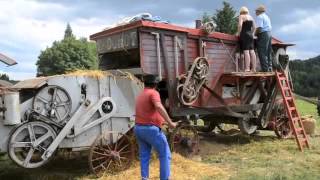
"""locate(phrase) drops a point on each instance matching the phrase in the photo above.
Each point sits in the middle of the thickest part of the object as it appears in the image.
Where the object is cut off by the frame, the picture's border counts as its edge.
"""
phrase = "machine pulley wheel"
(282, 126)
(53, 102)
(189, 85)
(209, 27)
(107, 107)
(185, 140)
(28, 142)
(246, 126)
(111, 153)
(276, 59)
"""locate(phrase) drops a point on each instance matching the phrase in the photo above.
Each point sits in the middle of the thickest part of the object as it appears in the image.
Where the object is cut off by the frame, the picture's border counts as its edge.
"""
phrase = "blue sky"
(29, 26)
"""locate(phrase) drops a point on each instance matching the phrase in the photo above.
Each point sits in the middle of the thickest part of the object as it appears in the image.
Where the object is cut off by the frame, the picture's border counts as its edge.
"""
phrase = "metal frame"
(84, 113)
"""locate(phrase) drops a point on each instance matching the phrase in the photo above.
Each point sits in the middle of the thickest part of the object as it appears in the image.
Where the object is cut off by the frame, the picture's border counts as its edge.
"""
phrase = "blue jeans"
(264, 48)
(148, 137)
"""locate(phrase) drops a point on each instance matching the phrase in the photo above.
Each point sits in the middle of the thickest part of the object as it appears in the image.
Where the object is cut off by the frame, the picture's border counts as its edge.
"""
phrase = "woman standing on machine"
(246, 29)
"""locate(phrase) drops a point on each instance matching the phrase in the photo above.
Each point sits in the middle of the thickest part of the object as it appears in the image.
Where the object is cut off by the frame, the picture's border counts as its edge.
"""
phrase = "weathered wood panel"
(219, 58)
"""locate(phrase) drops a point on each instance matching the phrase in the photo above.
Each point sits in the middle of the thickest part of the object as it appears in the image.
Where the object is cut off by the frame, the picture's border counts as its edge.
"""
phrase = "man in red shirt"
(150, 115)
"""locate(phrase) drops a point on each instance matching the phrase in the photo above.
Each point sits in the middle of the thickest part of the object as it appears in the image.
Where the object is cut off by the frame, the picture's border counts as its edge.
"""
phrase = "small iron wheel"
(111, 153)
(185, 140)
(282, 126)
(28, 142)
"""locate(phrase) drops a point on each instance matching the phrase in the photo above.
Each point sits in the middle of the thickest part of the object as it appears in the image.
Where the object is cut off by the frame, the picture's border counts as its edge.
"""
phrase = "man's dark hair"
(150, 85)
(150, 80)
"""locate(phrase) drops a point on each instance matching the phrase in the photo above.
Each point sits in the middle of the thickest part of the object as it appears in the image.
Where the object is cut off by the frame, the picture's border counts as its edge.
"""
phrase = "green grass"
(306, 108)
(268, 158)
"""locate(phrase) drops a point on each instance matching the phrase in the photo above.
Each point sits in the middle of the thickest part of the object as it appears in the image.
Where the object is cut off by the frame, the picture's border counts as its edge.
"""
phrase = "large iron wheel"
(247, 126)
(111, 153)
(282, 126)
(185, 140)
(53, 102)
(28, 142)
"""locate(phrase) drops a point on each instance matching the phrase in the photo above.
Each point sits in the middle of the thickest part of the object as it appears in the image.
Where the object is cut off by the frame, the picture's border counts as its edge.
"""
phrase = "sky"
(29, 26)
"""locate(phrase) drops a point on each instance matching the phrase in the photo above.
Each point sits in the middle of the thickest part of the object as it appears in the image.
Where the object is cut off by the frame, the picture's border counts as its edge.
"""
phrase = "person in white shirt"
(263, 32)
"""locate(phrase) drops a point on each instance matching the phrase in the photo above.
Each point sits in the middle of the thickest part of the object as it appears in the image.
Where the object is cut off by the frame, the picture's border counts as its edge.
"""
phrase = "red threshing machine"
(201, 77)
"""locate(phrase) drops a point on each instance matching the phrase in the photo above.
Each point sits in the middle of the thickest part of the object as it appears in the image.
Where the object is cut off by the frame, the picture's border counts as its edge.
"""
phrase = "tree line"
(306, 76)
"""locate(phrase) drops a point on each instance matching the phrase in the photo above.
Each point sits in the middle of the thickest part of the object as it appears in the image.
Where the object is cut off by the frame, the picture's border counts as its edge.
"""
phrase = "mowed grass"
(267, 158)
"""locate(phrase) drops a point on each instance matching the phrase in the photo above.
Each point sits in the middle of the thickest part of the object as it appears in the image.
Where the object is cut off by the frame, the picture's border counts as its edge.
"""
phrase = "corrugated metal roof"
(31, 83)
(8, 61)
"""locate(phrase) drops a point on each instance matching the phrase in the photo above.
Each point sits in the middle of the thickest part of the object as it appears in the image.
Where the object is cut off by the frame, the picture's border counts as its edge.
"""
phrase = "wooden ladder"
(293, 115)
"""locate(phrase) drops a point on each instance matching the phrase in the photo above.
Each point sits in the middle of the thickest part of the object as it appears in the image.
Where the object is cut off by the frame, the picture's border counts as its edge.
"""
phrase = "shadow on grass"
(58, 169)
(237, 139)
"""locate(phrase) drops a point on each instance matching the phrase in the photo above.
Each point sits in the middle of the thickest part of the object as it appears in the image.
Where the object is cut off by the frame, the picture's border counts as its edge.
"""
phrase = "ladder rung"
(282, 78)
(289, 98)
(286, 88)
(299, 130)
(292, 108)
(303, 142)
(295, 119)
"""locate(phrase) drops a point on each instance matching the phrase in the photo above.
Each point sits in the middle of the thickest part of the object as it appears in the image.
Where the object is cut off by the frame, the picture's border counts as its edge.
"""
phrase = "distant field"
(239, 157)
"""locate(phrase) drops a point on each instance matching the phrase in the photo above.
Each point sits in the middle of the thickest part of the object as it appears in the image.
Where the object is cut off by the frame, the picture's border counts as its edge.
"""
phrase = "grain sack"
(309, 124)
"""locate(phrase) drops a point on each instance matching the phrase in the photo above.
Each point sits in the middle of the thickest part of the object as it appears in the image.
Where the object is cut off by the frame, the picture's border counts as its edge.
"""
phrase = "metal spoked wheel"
(185, 140)
(111, 153)
(53, 102)
(282, 126)
(246, 126)
(28, 142)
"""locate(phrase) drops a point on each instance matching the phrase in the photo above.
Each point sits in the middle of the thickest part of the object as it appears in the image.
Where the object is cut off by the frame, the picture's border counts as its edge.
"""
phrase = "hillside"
(306, 76)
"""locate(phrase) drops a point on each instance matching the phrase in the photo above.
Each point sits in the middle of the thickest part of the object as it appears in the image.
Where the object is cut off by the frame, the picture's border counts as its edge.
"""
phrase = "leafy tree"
(206, 18)
(67, 55)
(4, 77)
(225, 19)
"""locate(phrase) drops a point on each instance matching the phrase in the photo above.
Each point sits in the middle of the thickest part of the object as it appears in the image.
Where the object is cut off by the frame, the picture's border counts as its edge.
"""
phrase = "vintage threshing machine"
(81, 111)
(201, 75)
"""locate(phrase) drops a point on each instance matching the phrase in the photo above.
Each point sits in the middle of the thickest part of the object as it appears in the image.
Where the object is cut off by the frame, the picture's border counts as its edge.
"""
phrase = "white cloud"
(31, 26)
(306, 23)
(295, 53)
(19, 75)
(187, 11)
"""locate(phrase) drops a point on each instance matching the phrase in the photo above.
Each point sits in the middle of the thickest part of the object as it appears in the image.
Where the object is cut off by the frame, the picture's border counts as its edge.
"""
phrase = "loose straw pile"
(181, 169)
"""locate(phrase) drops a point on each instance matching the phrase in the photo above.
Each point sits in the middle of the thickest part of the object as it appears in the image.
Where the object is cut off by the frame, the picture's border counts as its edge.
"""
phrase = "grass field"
(268, 158)
(240, 157)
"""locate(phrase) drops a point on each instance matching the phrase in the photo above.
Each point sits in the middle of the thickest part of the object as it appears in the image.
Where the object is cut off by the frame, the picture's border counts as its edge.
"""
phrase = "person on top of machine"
(246, 27)
(263, 32)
